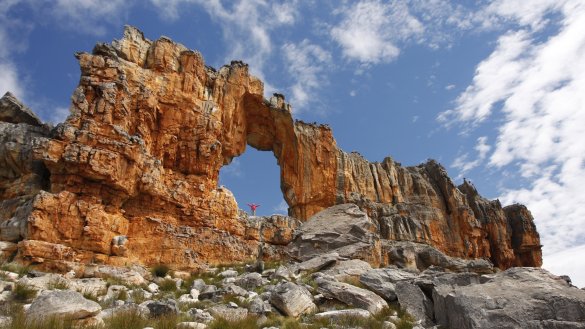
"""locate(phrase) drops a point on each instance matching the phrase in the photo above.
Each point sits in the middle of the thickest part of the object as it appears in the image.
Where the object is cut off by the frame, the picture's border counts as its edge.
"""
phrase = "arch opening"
(254, 177)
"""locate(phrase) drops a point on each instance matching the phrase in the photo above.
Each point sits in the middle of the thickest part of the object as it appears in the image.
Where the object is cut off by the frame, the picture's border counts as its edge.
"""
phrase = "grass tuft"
(249, 322)
(167, 285)
(23, 293)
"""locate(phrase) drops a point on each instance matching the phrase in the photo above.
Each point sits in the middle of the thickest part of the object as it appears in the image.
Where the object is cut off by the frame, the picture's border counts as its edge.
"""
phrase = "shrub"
(23, 293)
(126, 320)
(249, 322)
(138, 296)
(167, 285)
(58, 283)
(15, 267)
(160, 270)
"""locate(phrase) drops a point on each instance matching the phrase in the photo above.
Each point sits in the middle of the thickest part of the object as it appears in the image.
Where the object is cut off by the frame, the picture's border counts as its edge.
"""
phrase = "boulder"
(190, 325)
(282, 273)
(344, 229)
(516, 298)
(292, 300)
(229, 274)
(126, 276)
(250, 280)
(13, 111)
(348, 269)
(45, 282)
(158, 308)
(62, 303)
(356, 312)
(418, 256)
(232, 289)
(228, 313)
(259, 306)
(382, 280)
(415, 302)
(199, 315)
(316, 263)
(134, 309)
(351, 295)
(92, 286)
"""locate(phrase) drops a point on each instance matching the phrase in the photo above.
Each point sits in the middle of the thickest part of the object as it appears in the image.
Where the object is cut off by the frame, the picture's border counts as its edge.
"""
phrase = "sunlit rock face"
(132, 174)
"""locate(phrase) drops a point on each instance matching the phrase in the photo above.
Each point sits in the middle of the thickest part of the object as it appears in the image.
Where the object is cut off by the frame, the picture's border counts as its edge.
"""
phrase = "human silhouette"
(253, 207)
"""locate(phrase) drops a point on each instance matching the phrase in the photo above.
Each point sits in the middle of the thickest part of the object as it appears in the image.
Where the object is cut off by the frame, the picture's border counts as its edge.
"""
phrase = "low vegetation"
(23, 293)
(160, 270)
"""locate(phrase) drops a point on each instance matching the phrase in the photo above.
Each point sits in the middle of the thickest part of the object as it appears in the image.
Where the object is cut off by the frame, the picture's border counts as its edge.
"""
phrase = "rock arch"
(140, 155)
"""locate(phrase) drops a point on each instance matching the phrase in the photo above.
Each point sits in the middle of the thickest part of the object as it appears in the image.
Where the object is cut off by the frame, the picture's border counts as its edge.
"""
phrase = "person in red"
(253, 207)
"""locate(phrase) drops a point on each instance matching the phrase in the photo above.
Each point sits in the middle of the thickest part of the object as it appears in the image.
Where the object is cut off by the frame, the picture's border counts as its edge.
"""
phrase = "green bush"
(23, 293)
(15, 267)
(167, 285)
(160, 270)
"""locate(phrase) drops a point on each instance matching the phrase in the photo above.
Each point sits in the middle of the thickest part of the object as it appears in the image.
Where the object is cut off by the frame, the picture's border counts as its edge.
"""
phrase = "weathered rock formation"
(132, 174)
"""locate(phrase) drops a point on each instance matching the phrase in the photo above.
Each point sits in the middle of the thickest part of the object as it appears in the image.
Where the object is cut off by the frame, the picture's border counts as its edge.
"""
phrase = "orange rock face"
(132, 175)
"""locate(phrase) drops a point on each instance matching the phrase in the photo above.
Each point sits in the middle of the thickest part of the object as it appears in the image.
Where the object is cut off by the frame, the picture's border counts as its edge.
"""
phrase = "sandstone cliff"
(132, 174)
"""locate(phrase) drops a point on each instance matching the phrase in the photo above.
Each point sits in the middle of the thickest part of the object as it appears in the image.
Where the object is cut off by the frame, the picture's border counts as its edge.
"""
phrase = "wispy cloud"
(74, 16)
(87, 16)
(563, 263)
(246, 24)
(306, 63)
(538, 88)
(465, 163)
(369, 30)
(12, 33)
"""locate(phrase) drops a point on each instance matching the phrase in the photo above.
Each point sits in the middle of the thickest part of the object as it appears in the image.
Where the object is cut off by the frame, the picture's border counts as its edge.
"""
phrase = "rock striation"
(132, 175)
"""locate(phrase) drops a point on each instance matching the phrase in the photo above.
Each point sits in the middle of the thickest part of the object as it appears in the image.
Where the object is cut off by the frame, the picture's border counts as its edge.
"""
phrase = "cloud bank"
(538, 88)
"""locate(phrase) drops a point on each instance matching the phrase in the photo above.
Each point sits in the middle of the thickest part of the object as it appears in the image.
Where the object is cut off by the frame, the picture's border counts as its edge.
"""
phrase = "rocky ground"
(326, 284)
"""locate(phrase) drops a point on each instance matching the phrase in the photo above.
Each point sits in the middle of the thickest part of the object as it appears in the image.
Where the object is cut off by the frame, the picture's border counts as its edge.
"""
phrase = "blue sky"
(495, 90)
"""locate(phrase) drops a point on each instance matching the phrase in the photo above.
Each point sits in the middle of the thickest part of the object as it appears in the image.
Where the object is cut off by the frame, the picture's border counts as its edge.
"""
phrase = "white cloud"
(535, 82)
(84, 16)
(493, 81)
(306, 63)
(482, 147)
(564, 263)
(526, 13)
(246, 26)
(370, 30)
(9, 79)
(10, 31)
(88, 16)
(464, 163)
(450, 87)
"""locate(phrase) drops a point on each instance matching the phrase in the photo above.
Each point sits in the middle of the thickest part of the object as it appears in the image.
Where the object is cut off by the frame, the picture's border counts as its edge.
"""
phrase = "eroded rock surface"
(132, 175)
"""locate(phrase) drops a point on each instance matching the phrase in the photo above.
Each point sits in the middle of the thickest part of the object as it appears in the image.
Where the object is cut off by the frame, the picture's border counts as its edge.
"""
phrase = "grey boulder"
(415, 302)
(521, 297)
(292, 300)
(63, 304)
(382, 281)
(163, 307)
(351, 295)
(344, 229)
